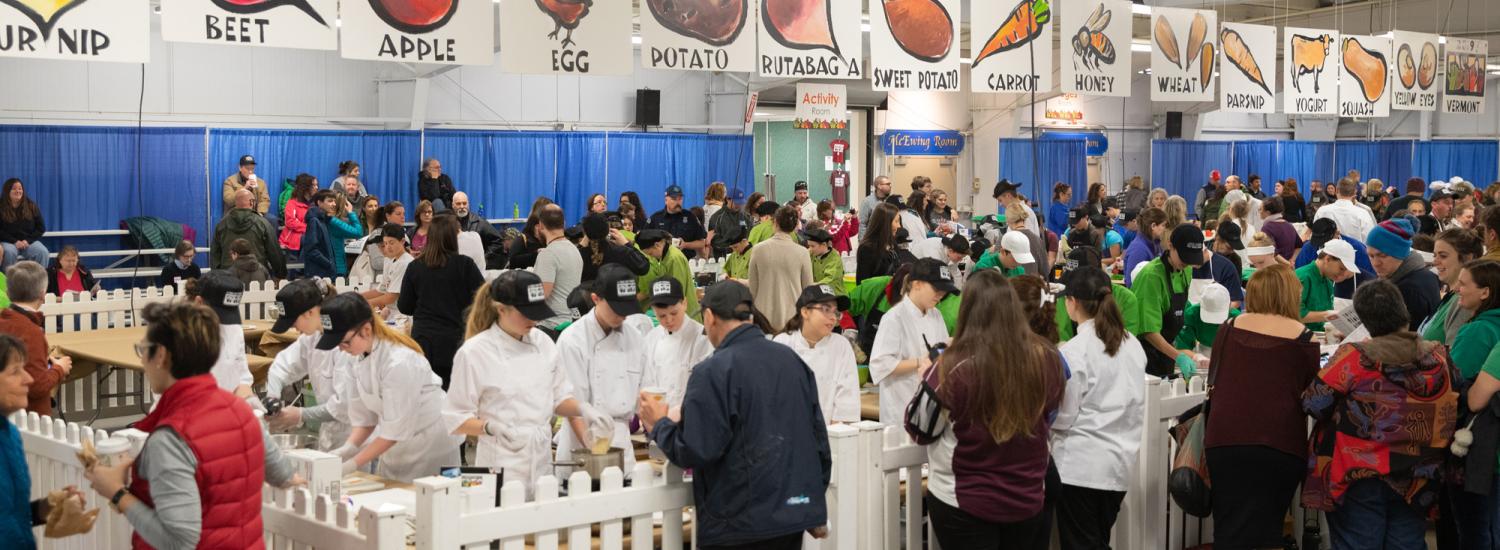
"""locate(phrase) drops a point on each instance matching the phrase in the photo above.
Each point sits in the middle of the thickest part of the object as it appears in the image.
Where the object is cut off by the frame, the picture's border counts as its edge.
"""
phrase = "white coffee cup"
(113, 451)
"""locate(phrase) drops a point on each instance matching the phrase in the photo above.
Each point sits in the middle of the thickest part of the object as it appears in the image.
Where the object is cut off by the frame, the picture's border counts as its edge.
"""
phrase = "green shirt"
(737, 264)
(1152, 295)
(761, 232)
(1317, 292)
(4, 293)
(990, 259)
(949, 308)
(1126, 299)
(675, 265)
(829, 270)
(1195, 332)
(1473, 349)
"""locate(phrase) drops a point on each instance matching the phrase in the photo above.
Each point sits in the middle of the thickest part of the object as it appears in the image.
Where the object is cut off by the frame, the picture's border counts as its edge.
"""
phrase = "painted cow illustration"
(1308, 56)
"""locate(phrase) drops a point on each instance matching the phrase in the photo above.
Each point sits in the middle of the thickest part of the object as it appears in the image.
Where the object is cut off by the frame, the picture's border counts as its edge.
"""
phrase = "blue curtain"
(1037, 165)
(1474, 161)
(581, 172)
(1181, 167)
(502, 172)
(1388, 161)
(388, 160)
(1304, 160)
(1258, 158)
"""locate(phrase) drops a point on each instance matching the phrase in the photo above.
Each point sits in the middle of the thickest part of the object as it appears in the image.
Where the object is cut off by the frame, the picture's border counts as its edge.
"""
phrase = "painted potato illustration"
(923, 28)
(1406, 68)
(1369, 68)
(716, 22)
(1427, 67)
(799, 24)
(415, 16)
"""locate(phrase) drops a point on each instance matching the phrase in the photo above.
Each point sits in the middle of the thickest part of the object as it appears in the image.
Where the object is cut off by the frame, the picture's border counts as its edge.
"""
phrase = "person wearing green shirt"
(666, 261)
(737, 263)
(1478, 291)
(1124, 297)
(1013, 255)
(1201, 321)
(1453, 249)
(827, 266)
(1161, 289)
(1334, 265)
(763, 230)
(4, 298)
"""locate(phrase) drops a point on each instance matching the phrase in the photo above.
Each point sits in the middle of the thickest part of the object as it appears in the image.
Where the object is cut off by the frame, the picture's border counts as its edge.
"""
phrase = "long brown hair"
(879, 234)
(1041, 315)
(442, 241)
(27, 210)
(1013, 371)
(1109, 322)
(416, 218)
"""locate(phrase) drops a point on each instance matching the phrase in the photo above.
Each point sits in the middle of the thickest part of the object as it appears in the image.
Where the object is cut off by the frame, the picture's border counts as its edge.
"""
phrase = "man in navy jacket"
(752, 432)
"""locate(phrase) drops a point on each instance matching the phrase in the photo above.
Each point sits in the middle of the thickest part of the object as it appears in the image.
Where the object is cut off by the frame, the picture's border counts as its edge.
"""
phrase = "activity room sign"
(822, 106)
(83, 30)
(444, 32)
(305, 24)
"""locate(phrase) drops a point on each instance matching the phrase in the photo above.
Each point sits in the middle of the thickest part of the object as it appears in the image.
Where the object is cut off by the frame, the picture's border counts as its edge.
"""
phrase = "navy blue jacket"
(1222, 271)
(755, 438)
(317, 246)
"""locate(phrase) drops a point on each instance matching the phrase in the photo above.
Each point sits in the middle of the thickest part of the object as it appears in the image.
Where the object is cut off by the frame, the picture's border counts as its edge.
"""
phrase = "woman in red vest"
(197, 481)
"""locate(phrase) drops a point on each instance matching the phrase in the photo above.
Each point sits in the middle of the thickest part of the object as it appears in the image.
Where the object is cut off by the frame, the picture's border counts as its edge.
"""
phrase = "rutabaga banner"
(1364, 87)
(1312, 69)
(1012, 45)
(914, 45)
(303, 24)
(82, 30)
(1096, 47)
(1415, 82)
(1247, 73)
(1182, 54)
(698, 35)
(447, 32)
(1463, 78)
(566, 36)
(810, 38)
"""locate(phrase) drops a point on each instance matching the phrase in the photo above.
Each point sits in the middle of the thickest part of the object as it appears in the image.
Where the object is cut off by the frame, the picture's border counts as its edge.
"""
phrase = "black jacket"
(440, 189)
(630, 257)
(725, 223)
(1420, 289)
(754, 436)
(22, 230)
(870, 262)
(494, 245)
(245, 223)
(1479, 465)
(171, 273)
(523, 251)
(54, 269)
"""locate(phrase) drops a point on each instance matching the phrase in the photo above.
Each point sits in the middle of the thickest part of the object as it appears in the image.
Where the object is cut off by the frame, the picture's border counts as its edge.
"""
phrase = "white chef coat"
(930, 247)
(232, 369)
(1353, 219)
(640, 323)
(329, 373)
(607, 371)
(514, 385)
(674, 355)
(390, 281)
(395, 391)
(833, 366)
(900, 337)
(471, 245)
(915, 228)
(1098, 428)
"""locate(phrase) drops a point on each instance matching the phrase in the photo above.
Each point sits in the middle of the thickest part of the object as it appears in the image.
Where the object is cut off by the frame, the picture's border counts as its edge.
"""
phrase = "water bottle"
(515, 210)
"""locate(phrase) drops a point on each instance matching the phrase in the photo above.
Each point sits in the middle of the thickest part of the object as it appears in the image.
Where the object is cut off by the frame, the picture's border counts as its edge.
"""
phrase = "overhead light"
(635, 39)
(1442, 40)
(1140, 47)
(965, 60)
(864, 27)
(1140, 9)
(338, 22)
(1388, 34)
(1492, 67)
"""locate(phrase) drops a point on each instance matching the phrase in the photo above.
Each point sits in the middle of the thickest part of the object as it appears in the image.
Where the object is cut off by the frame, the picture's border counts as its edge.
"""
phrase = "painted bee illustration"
(1090, 44)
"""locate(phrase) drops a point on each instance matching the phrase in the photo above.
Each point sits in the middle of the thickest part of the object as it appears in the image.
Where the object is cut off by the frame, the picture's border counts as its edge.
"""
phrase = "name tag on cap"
(1195, 246)
(661, 288)
(327, 322)
(943, 273)
(233, 298)
(278, 308)
(625, 289)
(534, 293)
(826, 289)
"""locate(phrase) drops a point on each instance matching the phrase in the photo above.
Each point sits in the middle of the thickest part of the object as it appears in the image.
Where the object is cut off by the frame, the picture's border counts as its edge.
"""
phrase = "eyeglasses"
(826, 309)
(142, 349)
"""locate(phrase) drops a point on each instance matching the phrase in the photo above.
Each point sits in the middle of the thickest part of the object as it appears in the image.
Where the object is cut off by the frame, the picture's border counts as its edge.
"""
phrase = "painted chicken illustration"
(567, 14)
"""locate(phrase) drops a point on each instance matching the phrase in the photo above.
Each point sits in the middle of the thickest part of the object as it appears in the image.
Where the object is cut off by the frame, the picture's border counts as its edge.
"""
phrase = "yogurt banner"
(1312, 67)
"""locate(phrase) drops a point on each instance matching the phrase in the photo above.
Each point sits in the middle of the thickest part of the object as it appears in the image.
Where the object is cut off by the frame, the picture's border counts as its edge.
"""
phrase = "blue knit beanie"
(1392, 237)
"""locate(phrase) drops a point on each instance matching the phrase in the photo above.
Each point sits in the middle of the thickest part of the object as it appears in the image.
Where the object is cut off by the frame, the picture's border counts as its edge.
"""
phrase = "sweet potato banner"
(914, 45)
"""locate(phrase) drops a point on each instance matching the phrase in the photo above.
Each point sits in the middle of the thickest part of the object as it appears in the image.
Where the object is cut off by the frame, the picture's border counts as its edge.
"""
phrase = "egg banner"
(1364, 86)
(82, 30)
(1247, 71)
(812, 38)
(1415, 85)
(305, 24)
(566, 36)
(698, 35)
(448, 32)
(1312, 69)
(914, 45)
(1011, 45)
(1095, 54)
(1183, 48)
(1463, 75)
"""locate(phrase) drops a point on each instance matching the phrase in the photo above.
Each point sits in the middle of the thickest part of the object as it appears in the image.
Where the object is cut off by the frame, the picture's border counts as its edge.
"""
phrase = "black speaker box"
(1174, 125)
(647, 108)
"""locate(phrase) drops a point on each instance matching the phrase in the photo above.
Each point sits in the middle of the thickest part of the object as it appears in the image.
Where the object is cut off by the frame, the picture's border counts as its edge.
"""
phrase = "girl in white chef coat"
(327, 371)
(394, 397)
(907, 334)
(678, 344)
(605, 361)
(829, 355)
(507, 383)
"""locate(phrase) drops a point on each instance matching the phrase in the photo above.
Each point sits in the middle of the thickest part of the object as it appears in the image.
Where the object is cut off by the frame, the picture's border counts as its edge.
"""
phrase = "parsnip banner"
(914, 45)
(1415, 82)
(811, 38)
(1011, 44)
(1183, 47)
(1247, 75)
(1095, 53)
(1364, 86)
(698, 35)
(1463, 75)
(1312, 69)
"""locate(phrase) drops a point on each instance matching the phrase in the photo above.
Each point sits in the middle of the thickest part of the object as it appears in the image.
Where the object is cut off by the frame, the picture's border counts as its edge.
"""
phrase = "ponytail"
(1109, 323)
(794, 324)
(482, 313)
(899, 285)
(597, 249)
(382, 331)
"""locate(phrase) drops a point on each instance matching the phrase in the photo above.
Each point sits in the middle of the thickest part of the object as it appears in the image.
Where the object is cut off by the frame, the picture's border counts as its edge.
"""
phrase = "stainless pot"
(596, 464)
(295, 441)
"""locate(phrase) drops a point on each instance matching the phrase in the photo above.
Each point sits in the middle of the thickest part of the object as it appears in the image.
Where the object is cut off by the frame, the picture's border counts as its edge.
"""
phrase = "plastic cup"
(656, 393)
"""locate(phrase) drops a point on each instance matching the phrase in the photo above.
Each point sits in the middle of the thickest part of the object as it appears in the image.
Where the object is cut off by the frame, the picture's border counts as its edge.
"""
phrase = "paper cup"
(656, 393)
(113, 451)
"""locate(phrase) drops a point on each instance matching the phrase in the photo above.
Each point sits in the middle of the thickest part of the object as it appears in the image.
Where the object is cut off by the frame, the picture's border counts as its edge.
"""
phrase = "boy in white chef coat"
(678, 343)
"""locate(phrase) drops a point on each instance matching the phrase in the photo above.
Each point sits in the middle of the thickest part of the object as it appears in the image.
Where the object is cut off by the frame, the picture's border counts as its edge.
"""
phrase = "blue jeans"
(1372, 515)
(1477, 518)
(35, 252)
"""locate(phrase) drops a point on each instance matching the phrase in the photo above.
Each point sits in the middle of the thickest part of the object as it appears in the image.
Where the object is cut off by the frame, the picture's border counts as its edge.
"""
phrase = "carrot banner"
(1183, 43)
(1364, 86)
(1247, 68)
(1010, 42)
(914, 45)
(1095, 46)
(1463, 75)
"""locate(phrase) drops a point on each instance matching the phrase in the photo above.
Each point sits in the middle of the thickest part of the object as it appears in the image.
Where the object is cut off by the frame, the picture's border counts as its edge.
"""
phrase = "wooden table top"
(116, 347)
(869, 406)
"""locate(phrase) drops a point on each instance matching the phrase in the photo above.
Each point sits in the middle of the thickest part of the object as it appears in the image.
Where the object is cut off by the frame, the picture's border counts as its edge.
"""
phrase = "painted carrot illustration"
(1023, 25)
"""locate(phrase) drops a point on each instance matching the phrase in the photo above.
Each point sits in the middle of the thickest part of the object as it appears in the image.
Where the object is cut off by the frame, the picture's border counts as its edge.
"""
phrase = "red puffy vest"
(225, 438)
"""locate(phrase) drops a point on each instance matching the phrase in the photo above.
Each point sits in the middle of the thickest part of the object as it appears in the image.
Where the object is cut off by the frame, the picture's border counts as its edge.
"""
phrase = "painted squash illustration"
(922, 28)
(1369, 69)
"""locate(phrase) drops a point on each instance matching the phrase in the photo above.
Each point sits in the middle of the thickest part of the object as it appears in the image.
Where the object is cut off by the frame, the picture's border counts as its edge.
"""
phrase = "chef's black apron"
(1158, 363)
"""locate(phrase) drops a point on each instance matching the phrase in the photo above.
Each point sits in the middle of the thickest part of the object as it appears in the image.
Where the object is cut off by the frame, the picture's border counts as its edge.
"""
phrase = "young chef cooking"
(507, 383)
(907, 335)
(394, 396)
(221, 291)
(829, 355)
(328, 371)
(605, 361)
(678, 344)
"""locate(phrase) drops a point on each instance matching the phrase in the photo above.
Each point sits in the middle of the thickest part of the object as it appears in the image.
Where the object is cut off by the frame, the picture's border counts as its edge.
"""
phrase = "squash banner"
(1364, 85)
(1312, 69)
(447, 32)
(914, 45)
(810, 38)
(1463, 75)
(1247, 71)
(81, 30)
(1183, 47)
(303, 24)
(1415, 82)
(1095, 47)
(1011, 45)
(698, 35)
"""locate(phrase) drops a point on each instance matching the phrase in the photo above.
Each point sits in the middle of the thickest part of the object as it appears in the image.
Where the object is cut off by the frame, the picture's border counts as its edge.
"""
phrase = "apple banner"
(447, 32)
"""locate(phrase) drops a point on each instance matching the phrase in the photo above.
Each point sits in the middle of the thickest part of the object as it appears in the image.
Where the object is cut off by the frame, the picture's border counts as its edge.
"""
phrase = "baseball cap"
(767, 208)
(817, 235)
(1005, 186)
(736, 194)
(978, 247)
(1129, 215)
(1440, 194)
(1213, 175)
(1111, 202)
(247, 160)
(934, 273)
(1187, 240)
(666, 291)
(649, 238)
(1087, 282)
(729, 300)
(1343, 251)
(522, 290)
(294, 299)
(1323, 230)
(1099, 221)
(222, 291)
(1230, 232)
(595, 227)
(799, 186)
(617, 285)
(1018, 245)
(1076, 215)
(816, 294)
(1213, 306)
(341, 314)
(1079, 258)
(674, 191)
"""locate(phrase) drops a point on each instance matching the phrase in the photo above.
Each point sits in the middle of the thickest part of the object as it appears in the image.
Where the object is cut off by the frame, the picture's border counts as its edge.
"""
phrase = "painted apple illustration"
(716, 22)
(257, 6)
(415, 16)
(44, 13)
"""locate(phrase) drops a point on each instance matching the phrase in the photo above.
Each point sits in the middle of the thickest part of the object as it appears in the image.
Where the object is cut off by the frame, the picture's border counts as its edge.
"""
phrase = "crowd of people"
(1015, 348)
